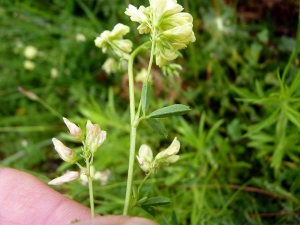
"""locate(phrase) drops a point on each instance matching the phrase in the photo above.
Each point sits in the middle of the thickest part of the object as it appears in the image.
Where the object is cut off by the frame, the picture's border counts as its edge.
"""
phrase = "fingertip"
(117, 220)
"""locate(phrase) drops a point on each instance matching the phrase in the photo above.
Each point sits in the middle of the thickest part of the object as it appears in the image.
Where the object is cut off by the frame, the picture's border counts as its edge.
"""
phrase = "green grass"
(239, 156)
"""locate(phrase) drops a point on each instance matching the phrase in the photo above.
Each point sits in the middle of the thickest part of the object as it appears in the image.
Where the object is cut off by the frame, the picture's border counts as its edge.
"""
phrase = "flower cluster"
(170, 29)
(114, 40)
(164, 158)
(95, 175)
(94, 138)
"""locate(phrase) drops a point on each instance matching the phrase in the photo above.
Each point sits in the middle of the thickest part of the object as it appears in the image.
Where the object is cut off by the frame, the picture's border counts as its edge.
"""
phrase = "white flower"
(164, 8)
(145, 157)
(141, 16)
(75, 131)
(170, 29)
(114, 40)
(54, 73)
(178, 37)
(64, 152)
(30, 52)
(164, 158)
(95, 175)
(172, 150)
(141, 76)
(102, 176)
(29, 65)
(67, 177)
(110, 65)
(94, 136)
(80, 38)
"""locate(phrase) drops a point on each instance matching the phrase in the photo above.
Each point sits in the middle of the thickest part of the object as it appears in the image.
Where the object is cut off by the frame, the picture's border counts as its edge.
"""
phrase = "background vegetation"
(240, 144)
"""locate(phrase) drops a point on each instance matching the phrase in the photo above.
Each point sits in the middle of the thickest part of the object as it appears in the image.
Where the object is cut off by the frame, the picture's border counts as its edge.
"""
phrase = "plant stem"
(151, 58)
(133, 127)
(141, 184)
(91, 192)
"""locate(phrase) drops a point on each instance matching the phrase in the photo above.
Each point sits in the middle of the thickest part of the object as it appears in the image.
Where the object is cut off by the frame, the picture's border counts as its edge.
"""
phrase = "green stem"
(91, 192)
(151, 58)
(133, 127)
(52, 110)
(142, 183)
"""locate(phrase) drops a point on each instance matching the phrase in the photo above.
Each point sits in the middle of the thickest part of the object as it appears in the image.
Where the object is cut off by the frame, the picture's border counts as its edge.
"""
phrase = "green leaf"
(149, 210)
(156, 201)
(292, 114)
(213, 129)
(259, 89)
(295, 83)
(157, 126)
(142, 200)
(145, 98)
(265, 123)
(134, 191)
(174, 219)
(172, 110)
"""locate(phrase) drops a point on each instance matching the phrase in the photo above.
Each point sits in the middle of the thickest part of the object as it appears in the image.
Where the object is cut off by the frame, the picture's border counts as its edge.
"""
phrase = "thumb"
(117, 220)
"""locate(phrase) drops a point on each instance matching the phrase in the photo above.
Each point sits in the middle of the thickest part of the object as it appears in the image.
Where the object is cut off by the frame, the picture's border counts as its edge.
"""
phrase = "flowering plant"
(170, 30)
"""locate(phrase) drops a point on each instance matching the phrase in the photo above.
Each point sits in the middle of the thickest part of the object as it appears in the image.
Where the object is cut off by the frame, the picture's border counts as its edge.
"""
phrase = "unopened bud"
(64, 152)
(67, 177)
(75, 131)
(145, 157)
(28, 94)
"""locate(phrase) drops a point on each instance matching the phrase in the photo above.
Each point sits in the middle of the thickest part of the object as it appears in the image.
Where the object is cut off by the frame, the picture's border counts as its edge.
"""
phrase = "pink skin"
(24, 199)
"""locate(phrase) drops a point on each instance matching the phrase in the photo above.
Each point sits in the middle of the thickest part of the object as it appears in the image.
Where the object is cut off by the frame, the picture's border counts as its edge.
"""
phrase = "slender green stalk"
(151, 58)
(51, 109)
(141, 184)
(133, 128)
(91, 192)
(90, 179)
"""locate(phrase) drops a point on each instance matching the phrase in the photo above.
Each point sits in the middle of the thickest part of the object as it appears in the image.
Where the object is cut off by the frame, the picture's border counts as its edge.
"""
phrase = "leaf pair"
(147, 205)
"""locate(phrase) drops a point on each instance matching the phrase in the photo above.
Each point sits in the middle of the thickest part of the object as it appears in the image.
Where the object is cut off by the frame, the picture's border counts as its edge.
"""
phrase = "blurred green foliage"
(240, 144)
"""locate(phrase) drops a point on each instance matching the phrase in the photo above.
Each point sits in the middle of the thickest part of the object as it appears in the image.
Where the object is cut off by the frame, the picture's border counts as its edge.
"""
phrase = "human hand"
(24, 199)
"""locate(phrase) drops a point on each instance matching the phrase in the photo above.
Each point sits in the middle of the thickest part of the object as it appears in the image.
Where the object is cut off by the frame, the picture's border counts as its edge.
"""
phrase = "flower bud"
(28, 94)
(67, 177)
(64, 152)
(145, 157)
(94, 136)
(75, 131)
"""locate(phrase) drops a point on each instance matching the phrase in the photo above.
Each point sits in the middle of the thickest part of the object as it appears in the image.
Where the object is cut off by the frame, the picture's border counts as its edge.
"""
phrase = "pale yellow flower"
(114, 40)
(163, 158)
(170, 29)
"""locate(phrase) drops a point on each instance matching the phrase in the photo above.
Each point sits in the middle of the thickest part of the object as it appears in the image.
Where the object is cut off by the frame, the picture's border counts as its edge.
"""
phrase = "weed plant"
(239, 157)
